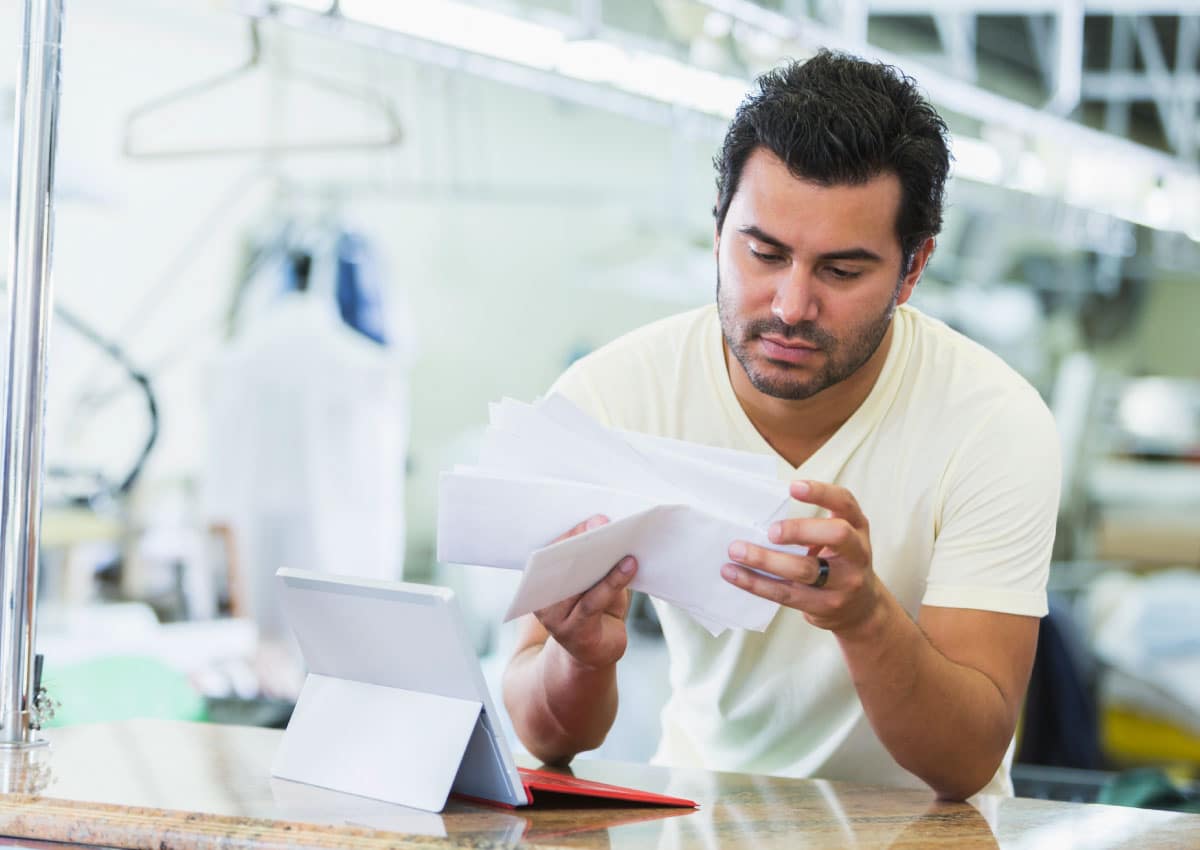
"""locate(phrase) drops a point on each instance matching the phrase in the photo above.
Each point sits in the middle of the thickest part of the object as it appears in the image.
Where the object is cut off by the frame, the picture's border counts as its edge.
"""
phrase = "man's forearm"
(558, 707)
(945, 722)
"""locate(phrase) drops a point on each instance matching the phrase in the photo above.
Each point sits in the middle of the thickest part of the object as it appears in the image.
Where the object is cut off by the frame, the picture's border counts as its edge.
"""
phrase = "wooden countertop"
(163, 785)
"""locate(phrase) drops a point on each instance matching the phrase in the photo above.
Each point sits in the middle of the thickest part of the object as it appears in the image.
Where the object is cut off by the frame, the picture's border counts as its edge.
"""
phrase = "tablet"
(404, 636)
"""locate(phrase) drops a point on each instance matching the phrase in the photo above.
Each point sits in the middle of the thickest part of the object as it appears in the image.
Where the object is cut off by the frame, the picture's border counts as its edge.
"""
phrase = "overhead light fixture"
(975, 159)
(470, 28)
(535, 45)
(322, 6)
(1030, 175)
(1159, 209)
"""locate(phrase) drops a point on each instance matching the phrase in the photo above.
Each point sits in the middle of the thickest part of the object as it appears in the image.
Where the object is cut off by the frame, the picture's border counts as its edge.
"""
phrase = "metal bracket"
(44, 709)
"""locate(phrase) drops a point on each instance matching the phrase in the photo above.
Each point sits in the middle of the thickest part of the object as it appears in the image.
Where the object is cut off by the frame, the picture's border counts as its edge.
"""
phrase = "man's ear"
(716, 242)
(916, 269)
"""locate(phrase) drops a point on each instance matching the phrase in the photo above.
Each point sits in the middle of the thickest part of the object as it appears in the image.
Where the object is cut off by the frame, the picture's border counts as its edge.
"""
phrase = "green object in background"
(1147, 788)
(120, 687)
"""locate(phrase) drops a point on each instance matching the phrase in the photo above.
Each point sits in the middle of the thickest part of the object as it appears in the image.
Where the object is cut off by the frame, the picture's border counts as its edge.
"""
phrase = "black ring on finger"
(822, 573)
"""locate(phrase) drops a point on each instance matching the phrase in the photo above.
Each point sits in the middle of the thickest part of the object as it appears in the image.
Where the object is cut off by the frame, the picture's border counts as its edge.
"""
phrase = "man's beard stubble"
(843, 357)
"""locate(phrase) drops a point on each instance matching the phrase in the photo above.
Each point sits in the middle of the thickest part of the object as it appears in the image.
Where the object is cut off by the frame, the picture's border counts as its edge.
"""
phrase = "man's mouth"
(788, 350)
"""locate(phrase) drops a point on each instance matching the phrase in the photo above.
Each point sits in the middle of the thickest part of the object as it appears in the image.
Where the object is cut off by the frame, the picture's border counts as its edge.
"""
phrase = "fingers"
(848, 589)
(553, 616)
(608, 594)
(605, 596)
(587, 525)
(777, 590)
(802, 569)
(837, 500)
(834, 533)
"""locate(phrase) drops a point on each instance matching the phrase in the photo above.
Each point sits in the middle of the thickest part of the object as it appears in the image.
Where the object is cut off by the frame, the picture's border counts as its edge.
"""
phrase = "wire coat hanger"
(393, 135)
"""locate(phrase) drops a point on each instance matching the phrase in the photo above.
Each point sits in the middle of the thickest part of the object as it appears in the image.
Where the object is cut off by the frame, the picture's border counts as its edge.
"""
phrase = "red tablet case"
(559, 783)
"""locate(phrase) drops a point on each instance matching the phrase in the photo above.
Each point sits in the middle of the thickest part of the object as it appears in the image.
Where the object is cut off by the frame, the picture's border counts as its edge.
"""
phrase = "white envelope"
(746, 463)
(585, 451)
(491, 521)
(676, 506)
(679, 550)
(749, 500)
(741, 485)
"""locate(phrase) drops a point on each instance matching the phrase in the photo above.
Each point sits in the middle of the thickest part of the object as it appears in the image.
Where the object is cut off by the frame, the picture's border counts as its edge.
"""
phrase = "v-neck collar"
(826, 462)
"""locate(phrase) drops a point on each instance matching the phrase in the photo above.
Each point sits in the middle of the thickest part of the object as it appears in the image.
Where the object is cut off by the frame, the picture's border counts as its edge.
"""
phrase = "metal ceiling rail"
(956, 95)
(549, 83)
(1033, 7)
(1056, 31)
(1136, 85)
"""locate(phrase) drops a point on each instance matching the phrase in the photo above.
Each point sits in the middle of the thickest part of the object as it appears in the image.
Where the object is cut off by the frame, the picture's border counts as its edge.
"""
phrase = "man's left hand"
(850, 593)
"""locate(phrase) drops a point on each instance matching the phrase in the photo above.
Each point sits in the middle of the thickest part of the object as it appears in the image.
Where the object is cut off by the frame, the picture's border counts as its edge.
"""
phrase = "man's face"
(808, 276)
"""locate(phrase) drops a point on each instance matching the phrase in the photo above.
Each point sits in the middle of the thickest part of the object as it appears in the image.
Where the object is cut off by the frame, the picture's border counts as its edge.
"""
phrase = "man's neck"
(796, 429)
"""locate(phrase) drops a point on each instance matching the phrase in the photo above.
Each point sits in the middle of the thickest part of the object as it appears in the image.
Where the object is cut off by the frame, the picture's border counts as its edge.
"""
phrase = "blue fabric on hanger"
(360, 288)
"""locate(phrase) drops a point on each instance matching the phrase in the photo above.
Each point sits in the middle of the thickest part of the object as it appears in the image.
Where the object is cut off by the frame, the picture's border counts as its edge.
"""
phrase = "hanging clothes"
(359, 287)
(307, 443)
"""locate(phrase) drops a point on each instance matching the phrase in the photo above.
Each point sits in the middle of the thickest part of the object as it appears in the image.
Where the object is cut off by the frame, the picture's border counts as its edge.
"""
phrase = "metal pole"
(29, 308)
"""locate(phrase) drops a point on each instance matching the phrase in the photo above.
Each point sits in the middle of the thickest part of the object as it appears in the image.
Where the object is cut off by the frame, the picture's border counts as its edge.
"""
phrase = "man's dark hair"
(837, 119)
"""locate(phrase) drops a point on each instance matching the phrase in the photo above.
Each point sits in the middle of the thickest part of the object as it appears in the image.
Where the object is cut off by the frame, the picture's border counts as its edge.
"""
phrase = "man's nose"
(795, 300)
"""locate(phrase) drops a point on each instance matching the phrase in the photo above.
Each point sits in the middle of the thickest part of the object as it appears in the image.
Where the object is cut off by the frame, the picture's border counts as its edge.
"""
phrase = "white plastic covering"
(307, 433)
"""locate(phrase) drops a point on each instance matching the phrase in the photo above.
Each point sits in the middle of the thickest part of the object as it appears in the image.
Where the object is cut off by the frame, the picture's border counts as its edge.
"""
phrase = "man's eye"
(767, 258)
(843, 274)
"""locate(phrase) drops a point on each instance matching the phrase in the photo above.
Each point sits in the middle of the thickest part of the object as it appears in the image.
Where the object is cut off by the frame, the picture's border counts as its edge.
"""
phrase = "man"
(924, 472)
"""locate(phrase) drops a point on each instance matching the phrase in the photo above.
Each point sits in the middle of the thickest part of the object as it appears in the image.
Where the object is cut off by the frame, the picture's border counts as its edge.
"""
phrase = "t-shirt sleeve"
(999, 502)
(576, 385)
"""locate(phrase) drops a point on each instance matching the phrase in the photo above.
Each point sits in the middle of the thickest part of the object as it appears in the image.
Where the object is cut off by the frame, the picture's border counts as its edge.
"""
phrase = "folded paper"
(674, 505)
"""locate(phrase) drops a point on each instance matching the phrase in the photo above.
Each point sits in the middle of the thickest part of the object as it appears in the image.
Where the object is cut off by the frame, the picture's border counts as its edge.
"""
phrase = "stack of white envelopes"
(675, 506)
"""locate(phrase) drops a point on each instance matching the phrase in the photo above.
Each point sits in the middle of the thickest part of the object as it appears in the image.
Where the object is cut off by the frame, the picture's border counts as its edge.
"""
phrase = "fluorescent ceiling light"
(466, 27)
(1031, 174)
(592, 60)
(1091, 180)
(1159, 208)
(322, 6)
(976, 160)
(533, 45)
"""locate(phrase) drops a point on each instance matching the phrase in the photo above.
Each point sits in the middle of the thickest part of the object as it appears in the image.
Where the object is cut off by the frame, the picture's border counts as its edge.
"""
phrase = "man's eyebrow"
(761, 235)
(853, 254)
(859, 253)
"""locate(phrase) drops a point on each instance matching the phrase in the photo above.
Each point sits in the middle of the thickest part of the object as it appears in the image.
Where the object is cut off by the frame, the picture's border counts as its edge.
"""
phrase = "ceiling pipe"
(1068, 74)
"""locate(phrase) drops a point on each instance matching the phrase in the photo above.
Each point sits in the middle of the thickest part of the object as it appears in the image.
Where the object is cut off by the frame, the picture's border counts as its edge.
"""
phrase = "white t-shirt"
(954, 459)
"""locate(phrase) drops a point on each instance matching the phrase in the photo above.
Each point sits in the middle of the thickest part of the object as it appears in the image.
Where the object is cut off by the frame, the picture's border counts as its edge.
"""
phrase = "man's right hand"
(561, 685)
(590, 626)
